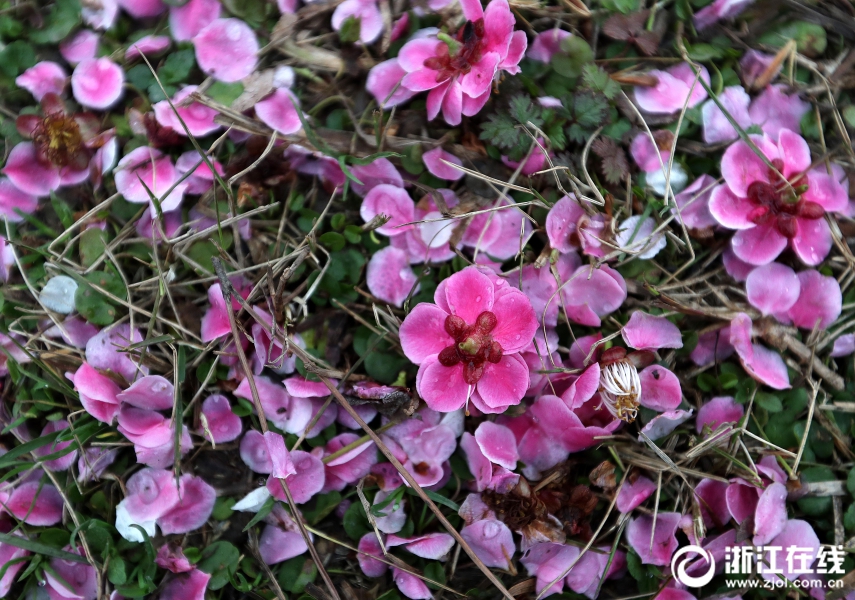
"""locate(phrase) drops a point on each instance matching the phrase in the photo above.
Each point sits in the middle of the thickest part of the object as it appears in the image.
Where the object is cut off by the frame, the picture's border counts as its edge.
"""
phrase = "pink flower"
(433, 160)
(634, 493)
(459, 71)
(43, 78)
(675, 88)
(79, 47)
(226, 50)
(366, 12)
(766, 211)
(198, 118)
(546, 44)
(718, 10)
(389, 276)
(97, 83)
(469, 342)
(384, 83)
(98, 393)
(223, 424)
(147, 170)
(186, 21)
(492, 542)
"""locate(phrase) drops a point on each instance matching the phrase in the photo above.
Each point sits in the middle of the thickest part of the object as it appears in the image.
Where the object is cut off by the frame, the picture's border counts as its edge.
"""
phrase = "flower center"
(458, 54)
(781, 206)
(473, 345)
(58, 139)
(620, 389)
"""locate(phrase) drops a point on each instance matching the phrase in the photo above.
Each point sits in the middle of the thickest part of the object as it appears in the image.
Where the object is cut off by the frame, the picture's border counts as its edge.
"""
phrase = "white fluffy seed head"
(620, 389)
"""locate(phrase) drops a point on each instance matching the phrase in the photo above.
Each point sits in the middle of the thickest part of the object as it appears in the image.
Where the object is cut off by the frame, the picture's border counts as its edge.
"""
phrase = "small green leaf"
(116, 570)
(176, 69)
(333, 241)
(350, 30)
(220, 559)
(575, 54)
(62, 19)
(93, 241)
(355, 522)
(225, 93)
(769, 402)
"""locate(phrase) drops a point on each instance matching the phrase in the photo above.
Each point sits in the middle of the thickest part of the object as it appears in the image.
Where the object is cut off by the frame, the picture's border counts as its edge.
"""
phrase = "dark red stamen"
(473, 345)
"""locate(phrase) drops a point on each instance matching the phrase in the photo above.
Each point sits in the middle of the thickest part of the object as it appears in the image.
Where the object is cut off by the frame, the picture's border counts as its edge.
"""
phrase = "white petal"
(253, 501)
(124, 525)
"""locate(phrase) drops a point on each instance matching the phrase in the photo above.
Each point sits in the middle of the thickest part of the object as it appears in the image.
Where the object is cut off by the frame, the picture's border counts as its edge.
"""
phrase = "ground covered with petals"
(386, 299)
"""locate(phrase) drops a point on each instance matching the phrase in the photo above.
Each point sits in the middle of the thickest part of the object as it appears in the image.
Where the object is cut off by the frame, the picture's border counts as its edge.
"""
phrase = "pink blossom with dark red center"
(433, 160)
(384, 83)
(389, 276)
(198, 119)
(819, 303)
(43, 78)
(223, 424)
(470, 341)
(186, 21)
(769, 213)
(98, 393)
(13, 200)
(97, 83)
(546, 44)
(675, 88)
(145, 170)
(226, 50)
(763, 364)
(366, 12)
(189, 585)
(638, 534)
(459, 71)
(718, 10)
(694, 204)
(79, 47)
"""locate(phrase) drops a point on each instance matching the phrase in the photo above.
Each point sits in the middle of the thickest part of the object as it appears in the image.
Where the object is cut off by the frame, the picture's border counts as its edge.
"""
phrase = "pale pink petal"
(772, 288)
(759, 245)
(770, 517)
(8, 555)
(660, 388)
(366, 12)
(498, 444)
(729, 209)
(646, 155)
(101, 15)
(561, 224)
(43, 78)
(410, 586)
(226, 50)
(813, 241)
(103, 351)
(583, 388)
(741, 167)
(195, 504)
(423, 332)
(516, 321)
(97, 83)
(469, 293)
(277, 544)
(140, 9)
(826, 190)
(306, 483)
(395, 516)
(473, 105)
(63, 462)
(767, 366)
(389, 276)
(633, 494)
(707, 16)
(186, 586)
(480, 76)
(753, 64)
(253, 451)
(368, 549)
(151, 494)
(472, 9)
(152, 392)
(774, 111)
(741, 498)
(384, 84)
(433, 161)
(719, 410)
(648, 332)
(186, 21)
(98, 393)
(592, 294)
(801, 535)
(820, 301)
(393, 202)
(442, 388)
(279, 455)
(735, 266)
(694, 203)
(492, 542)
(78, 47)
(717, 127)
(81, 578)
(13, 200)
(35, 504)
(222, 423)
(666, 97)
(663, 424)
(197, 118)
(794, 151)
(377, 172)
(843, 345)
(548, 561)
(638, 534)
(711, 496)
(452, 103)
(279, 112)
(546, 44)
(479, 465)
(29, 176)
(149, 45)
(505, 383)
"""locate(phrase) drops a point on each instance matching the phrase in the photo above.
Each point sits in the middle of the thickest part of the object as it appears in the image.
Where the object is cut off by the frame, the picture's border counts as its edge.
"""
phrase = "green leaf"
(63, 17)
(333, 241)
(350, 30)
(850, 481)
(500, 130)
(433, 570)
(811, 39)
(355, 522)
(16, 58)
(225, 93)
(220, 560)
(598, 80)
(295, 573)
(575, 54)
(816, 506)
(39, 548)
(93, 242)
(176, 69)
(116, 570)
(323, 505)
(849, 518)
(768, 401)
